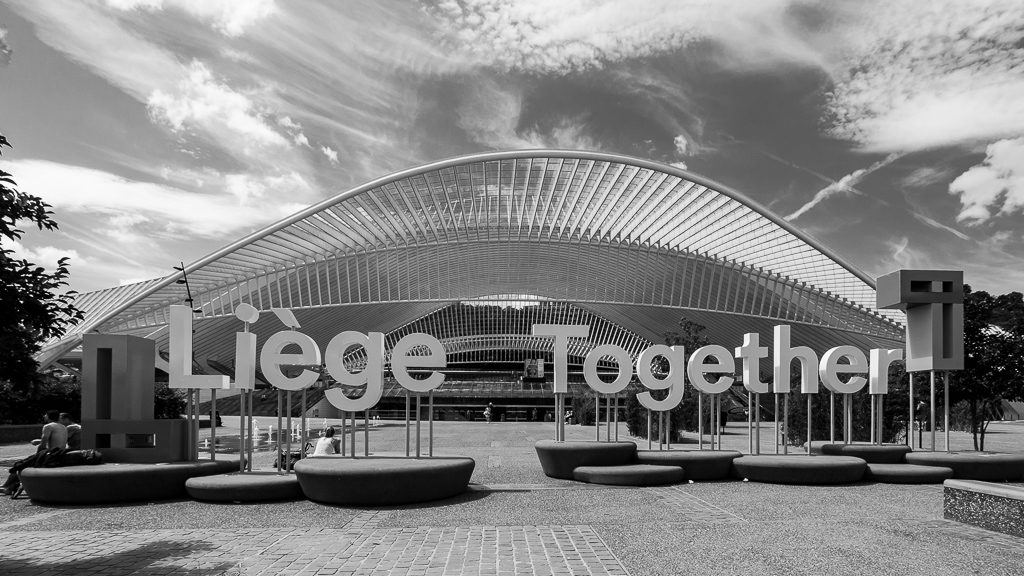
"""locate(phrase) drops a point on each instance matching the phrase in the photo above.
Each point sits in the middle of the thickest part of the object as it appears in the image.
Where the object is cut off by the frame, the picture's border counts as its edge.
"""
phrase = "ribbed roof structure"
(633, 243)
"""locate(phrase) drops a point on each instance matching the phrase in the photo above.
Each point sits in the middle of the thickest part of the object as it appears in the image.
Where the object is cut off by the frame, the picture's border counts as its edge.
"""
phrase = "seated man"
(74, 431)
(55, 435)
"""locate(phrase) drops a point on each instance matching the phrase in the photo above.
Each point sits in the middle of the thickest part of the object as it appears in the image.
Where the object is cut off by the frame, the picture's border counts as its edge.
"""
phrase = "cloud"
(5, 50)
(133, 209)
(994, 186)
(562, 37)
(202, 101)
(682, 145)
(940, 226)
(925, 176)
(45, 256)
(844, 185)
(229, 17)
(330, 153)
(904, 256)
(920, 75)
(490, 112)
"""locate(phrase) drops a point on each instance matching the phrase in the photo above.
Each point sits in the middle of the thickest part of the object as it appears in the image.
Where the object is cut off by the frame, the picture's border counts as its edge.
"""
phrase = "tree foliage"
(993, 358)
(31, 309)
(684, 416)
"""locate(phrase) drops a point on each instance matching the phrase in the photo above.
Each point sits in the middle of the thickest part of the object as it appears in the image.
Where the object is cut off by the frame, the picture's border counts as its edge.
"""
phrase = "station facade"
(475, 250)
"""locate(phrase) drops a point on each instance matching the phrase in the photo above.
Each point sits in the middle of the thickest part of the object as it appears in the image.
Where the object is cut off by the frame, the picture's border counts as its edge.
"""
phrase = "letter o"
(624, 360)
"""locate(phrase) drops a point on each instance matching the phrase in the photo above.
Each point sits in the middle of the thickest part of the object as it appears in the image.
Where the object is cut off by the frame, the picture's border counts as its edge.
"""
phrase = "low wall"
(990, 506)
(20, 433)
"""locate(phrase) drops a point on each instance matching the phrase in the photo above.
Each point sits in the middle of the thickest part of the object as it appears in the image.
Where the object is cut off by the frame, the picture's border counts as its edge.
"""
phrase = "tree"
(31, 310)
(993, 358)
(684, 416)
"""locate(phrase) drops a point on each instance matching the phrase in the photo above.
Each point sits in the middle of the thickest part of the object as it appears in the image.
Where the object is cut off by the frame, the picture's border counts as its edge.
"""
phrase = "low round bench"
(906, 474)
(382, 481)
(629, 474)
(108, 483)
(247, 487)
(559, 459)
(800, 469)
(699, 464)
(870, 453)
(989, 466)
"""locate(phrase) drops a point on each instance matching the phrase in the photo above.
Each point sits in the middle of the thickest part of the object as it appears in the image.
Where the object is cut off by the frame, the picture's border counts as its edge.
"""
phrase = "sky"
(162, 130)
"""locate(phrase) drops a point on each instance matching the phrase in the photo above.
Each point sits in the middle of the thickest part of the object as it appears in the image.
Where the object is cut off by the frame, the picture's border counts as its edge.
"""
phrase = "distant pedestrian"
(488, 413)
(74, 431)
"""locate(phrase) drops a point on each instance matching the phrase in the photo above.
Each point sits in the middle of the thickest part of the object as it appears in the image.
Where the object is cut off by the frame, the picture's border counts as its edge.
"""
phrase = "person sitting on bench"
(325, 445)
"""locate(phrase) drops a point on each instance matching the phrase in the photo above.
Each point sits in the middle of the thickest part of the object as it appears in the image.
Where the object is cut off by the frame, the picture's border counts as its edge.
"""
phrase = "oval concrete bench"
(559, 459)
(248, 487)
(629, 474)
(800, 469)
(382, 481)
(906, 474)
(973, 465)
(108, 483)
(870, 453)
(699, 464)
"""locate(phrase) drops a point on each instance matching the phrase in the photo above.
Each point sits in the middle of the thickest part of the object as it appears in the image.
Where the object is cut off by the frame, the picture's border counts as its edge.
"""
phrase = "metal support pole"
(352, 430)
(277, 443)
(418, 425)
(872, 438)
(809, 397)
(668, 429)
(910, 431)
(366, 431)
(712, 420)
(188, 415)
(344, 433)
(931, 419)
(832, 417)
(608, 419)
(700, 421)
(213, 424)
(785, 423)
(248, 464)
(302, 440)
(847, 419)
(616, 412)
(757, 422)
(649, 432)
(241, 431)
(750, 423)
(597, 417)
(408, 438)
(430, 424)
(288, 449)
(881, 420)
(776, 423)
(945, 404)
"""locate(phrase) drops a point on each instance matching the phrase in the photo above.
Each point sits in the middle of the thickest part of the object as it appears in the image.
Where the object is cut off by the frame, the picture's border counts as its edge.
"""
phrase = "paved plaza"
(515, 520)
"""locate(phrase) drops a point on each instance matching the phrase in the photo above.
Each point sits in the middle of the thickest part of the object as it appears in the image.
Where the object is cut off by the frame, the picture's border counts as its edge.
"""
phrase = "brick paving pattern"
(498, 550)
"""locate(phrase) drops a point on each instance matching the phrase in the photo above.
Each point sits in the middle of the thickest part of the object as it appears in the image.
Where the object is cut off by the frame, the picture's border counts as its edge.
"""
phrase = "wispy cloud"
(137, 210)
(996, 186)
(920, 75)
(926, 176)
(544, 37)
(936, 224)
(229, 17)
(844, 185)
(5, 50)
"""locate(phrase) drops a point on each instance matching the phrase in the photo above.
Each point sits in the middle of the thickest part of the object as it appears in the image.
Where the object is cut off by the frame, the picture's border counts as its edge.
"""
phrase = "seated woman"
(325, 445)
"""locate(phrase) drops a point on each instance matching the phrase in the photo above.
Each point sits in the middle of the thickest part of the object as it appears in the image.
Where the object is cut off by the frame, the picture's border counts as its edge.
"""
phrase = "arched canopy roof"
(637, 243)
